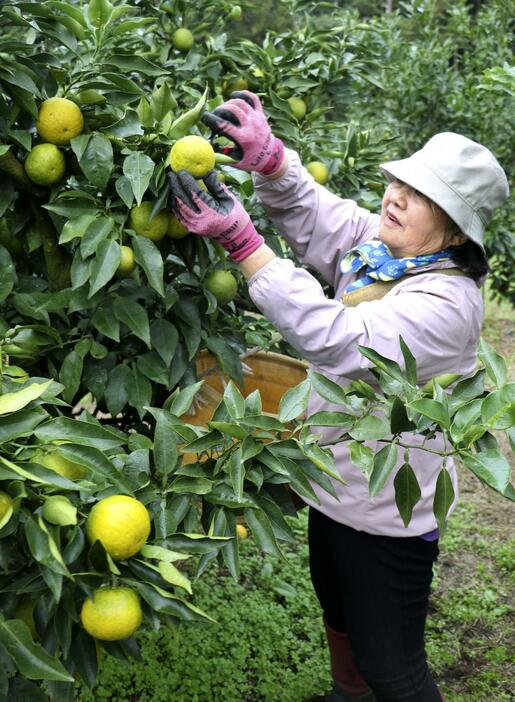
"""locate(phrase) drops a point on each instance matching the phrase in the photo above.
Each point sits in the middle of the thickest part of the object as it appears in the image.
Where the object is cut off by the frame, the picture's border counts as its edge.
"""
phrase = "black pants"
(376, 589)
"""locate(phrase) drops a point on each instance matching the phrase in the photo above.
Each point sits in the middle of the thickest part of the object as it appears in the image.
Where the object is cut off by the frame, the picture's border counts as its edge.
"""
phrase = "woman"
(372, 574)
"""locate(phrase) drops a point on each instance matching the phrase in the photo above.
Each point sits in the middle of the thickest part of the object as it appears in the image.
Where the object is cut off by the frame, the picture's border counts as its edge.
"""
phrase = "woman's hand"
(242, 120)
(215, 213)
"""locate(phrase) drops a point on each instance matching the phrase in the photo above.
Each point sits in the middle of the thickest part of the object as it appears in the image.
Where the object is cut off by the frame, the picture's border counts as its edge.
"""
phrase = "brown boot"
(349, 685)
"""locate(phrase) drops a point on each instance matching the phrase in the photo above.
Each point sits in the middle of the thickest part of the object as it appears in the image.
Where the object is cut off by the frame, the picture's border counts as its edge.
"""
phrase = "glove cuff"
(276, 159)
(243, 243)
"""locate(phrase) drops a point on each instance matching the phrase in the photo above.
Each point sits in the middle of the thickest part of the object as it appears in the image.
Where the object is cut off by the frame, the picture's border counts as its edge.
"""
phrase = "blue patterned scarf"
(379, 263)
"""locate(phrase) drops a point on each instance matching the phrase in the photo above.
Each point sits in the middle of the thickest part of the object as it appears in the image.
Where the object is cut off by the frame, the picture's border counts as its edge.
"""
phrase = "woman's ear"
(457, 239)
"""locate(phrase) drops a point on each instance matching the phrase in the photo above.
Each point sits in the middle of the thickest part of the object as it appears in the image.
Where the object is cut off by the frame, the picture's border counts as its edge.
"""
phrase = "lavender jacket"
(439, 317)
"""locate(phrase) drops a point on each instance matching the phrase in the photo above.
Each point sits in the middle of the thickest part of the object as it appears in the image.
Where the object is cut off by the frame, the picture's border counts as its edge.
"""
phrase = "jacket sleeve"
(318, 225)
(438, 325)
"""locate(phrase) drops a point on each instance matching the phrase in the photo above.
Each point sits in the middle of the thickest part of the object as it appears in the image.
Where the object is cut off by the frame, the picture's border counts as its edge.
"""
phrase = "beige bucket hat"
(461, 176)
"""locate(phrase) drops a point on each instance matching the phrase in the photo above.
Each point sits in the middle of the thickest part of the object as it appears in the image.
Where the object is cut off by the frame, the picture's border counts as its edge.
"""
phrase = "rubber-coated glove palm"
(242, 120)
(216, 213)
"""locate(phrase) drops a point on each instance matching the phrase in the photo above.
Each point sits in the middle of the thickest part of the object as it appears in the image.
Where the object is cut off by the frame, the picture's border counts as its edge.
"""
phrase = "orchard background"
(99, 352)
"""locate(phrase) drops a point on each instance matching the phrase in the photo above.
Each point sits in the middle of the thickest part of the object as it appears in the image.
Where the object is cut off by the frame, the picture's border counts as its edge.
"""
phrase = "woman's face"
(409, 226)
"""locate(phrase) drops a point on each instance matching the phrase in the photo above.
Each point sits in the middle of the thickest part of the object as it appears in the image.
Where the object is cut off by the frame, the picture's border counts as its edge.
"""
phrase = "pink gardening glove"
(242, 120)
(216, 213)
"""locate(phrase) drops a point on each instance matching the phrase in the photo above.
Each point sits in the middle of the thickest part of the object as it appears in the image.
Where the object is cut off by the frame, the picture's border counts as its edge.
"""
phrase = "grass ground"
(268, 643)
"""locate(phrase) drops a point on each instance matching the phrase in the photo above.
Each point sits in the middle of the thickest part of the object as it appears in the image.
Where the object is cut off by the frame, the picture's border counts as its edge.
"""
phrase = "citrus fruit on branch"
(193, 154)
(112, 614)
(319, 171)
(223, 285)
(45, 164)
(126, 265)
(121, 523)
(59, 120)
(182, 39)
(153, 229)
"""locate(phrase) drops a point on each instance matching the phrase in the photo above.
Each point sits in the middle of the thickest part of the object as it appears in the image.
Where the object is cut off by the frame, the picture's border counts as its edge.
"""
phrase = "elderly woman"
(372, 575)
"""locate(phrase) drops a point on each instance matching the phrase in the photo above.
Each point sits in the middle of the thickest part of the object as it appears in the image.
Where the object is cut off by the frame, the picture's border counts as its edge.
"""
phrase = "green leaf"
(409, 361)
(385, 461)
(165, 603)
(134, 316)
(183, 124)
(491, 467)
(407, 492)
(363, 457)
(7, 273)
(235, 430)
(327, 389)
(104, 265)
(234, 401)
(432, 409)
(99, 12)
(443, 499)
(235, 467)
(106, 323)
(13, 401)
(330, 419)
(399, 420)
(149, 257)
(294, 401)
(388, 366)
(30, 658)
(498, 408)
(21, 423)
(370, 428)
(164, 337)
(322, 459)
(139, 392)
(173, 575)
(165, 446)
(101, 437)
(468, 389)
(138, 169)
(185, 484)
(263, 422)
(70, 374)
(97, 161)
(227, 358)
(495, 364)
(98, 464)
(96, 232)
(262, 530)
(181, 399)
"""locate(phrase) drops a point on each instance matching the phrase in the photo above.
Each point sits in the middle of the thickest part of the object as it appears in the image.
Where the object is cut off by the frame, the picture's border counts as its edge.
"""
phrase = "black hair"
(471, 259)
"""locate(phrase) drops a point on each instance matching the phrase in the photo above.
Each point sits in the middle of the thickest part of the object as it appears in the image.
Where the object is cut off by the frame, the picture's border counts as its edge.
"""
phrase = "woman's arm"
(319, 226)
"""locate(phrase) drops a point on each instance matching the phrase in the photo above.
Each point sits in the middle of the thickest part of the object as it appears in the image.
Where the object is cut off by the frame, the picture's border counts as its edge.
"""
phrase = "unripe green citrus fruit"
(319, 171)
(60, 464)
(127, 262)
(45, 164)
(60, 511)
(121, 523)
(59, 120)
(182, 39)
(6, 508)
(235, 13)
(113, 613)
(298, 107)
(223, 285)
(193, 154)
(139, 220)
(234, 84)
(176, 229)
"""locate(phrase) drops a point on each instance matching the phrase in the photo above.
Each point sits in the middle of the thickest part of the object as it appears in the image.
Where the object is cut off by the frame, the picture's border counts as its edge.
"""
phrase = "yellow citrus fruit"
(60, 464)
(45, 164)
(234, 84)
(176, 229)
(59, 120)
(113, 613)
(182, 39)
(6, 508)
(127, 263)
(298, 107)
(193, 154)
(223, 285)
(139, 221)
(241, 532)
(121, 523)
(319, 171)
